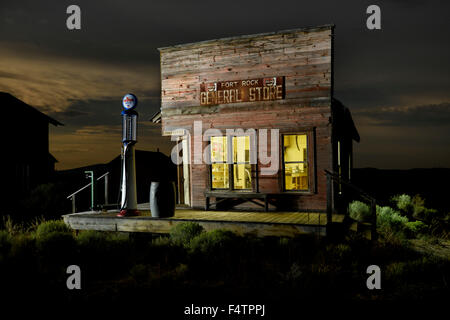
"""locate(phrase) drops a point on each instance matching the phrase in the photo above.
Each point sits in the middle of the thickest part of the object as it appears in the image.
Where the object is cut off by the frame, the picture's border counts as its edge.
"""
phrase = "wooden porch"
(281, 224)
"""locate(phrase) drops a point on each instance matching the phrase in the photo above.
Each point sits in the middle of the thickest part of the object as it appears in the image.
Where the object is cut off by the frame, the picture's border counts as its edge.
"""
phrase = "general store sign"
(250, 90)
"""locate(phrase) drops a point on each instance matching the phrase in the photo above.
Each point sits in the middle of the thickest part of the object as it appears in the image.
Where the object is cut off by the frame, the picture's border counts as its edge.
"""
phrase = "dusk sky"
(395, 80)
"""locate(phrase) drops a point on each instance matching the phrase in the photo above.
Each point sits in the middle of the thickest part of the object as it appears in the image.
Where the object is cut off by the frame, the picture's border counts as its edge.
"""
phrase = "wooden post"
(329, 199)
(73, 204)
(106, 188)
(207, 203)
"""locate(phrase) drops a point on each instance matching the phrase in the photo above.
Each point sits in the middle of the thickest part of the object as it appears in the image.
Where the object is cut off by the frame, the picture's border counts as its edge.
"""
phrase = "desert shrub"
(388, 218)
(55, 242)
(404, 203)
(54, 239)
(34, 223)
(339, 253)
(91, 237)
(210, 243)
(217, 254)
(414, 228)
(420, 212)
(424, 267)
(163, 249)
(184, 232)
(438, 221)
(23, 247)
(162, 242)
(419, 206)
(359, 211)
(392, 224)
(395, 270)
(52, 226)
(98, 250)
(11, 226)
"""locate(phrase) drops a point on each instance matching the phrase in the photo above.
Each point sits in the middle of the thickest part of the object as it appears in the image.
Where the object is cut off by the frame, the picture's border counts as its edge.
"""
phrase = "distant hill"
(432, 184)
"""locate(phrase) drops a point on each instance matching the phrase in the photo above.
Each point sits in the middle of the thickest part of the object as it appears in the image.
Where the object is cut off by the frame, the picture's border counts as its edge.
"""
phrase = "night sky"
(394, 80)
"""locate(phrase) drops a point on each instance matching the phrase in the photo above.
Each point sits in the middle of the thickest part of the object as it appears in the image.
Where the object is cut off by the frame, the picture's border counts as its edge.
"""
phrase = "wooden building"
(256, 126)
(27, 161)
(229, 101)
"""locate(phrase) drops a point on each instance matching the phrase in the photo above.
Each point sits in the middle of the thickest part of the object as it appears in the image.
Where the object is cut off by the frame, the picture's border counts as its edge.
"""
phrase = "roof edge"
(34, 109)
(310, 29)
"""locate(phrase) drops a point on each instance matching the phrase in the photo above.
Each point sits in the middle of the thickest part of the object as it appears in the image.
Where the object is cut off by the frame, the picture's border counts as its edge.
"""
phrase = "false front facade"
(255, 120)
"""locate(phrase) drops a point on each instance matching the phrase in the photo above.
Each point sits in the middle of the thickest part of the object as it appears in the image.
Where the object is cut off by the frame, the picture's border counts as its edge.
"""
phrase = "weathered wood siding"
(303, 57)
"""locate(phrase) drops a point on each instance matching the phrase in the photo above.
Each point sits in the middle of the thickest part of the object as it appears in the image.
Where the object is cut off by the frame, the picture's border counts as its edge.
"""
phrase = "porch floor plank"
(258, 223)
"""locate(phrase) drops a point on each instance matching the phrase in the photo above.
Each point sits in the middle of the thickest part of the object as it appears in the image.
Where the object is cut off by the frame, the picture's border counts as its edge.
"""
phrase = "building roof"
(247, 36)
(343, 120)
(20, 107)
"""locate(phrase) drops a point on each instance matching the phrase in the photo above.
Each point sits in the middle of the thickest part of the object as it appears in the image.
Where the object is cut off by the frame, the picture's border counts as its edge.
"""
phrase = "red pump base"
(128, 213)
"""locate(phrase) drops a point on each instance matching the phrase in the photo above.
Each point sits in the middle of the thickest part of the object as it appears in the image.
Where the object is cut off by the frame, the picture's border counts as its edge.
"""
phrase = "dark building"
(27, 161)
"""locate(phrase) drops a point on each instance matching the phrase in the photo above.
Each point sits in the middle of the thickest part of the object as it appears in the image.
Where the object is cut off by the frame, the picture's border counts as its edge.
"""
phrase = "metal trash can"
(162, 199)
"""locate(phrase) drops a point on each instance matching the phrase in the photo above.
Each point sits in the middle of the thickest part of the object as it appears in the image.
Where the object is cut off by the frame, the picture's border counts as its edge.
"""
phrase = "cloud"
(410, 116)
(52, 84)
(72, 113)
(99, 130)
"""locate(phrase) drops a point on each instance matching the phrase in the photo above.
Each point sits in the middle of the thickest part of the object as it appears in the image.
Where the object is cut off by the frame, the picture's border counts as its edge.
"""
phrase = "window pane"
(242, 169)
(218, 149)
(241, 149)
(295, 162)
(296, 176)
(242, 177)
(294, 147)
(219, 176)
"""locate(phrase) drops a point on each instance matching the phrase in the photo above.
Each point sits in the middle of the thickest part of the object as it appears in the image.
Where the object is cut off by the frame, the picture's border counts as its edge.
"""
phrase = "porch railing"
(335, 178)
(73, 195)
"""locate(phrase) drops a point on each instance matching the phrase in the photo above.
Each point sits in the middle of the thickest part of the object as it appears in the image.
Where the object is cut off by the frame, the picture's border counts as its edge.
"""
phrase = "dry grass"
(437, 247)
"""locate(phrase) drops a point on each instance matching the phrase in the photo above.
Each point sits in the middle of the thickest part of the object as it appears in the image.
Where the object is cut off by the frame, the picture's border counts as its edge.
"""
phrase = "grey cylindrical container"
(162, 199)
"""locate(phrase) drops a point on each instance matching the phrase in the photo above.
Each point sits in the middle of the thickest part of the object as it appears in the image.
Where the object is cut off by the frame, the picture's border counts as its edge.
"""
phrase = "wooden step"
(363, 228)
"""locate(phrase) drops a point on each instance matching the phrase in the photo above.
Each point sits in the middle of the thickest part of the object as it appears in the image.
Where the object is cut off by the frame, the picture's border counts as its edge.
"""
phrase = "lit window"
(219, 167)
(295, 165)
(242, 178)
(240, 169)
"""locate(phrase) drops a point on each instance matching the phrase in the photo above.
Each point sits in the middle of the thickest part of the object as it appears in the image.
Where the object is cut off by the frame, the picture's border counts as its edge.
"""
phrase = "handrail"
(87, 185)
(372, 200)
(72, 196)
(76, 192)
(351, 185)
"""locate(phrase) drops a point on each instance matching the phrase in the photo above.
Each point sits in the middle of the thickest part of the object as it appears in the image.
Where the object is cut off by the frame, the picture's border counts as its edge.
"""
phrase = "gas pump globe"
(128, 203)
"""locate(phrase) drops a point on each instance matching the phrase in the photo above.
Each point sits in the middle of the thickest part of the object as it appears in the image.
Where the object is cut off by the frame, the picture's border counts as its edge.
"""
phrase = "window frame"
(218, 162)
(230, 166)
(310, 161)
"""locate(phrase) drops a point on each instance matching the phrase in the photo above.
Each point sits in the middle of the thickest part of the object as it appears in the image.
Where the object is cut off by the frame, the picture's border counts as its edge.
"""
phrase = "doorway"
(183, 170)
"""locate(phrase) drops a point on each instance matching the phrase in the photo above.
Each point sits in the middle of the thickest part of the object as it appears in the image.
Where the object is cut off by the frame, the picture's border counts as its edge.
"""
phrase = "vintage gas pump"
(128, 203)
